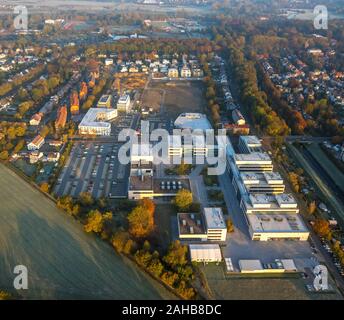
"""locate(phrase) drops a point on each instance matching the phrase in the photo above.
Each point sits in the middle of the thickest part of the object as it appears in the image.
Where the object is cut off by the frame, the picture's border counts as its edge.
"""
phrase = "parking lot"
(94, 167)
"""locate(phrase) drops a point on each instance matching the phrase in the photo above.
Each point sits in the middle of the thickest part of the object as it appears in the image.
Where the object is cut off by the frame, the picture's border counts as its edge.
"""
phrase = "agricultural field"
(63, 261)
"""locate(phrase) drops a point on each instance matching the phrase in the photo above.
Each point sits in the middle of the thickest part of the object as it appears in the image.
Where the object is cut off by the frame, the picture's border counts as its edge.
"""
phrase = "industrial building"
(95, 121)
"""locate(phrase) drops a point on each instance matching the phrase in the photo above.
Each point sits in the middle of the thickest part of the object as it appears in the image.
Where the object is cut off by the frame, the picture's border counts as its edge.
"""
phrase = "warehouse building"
(205, 253)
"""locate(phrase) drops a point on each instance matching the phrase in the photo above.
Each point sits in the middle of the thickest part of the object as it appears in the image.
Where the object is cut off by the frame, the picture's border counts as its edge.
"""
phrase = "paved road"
(198, 188)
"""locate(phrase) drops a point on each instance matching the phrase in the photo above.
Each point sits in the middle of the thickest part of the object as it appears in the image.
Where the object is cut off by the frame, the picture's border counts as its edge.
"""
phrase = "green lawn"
(63, 261)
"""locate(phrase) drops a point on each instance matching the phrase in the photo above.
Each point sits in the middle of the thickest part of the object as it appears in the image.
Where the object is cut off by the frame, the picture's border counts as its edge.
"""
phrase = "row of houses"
(297, 81)
(237, 123)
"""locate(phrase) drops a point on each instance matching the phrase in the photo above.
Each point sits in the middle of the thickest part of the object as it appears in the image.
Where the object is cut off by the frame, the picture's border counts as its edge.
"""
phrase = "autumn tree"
(4, 155)
(312, 207)
(4, 295)
(176, 255)
(95, 221)
(230, 226)
(45, 187)
(119, 240)
(141, 222)
(183, 199)
(148, 204)
(86, 199)
(321, 227)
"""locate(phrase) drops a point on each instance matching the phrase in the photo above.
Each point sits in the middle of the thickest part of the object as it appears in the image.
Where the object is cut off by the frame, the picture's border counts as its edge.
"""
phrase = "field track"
(63, 261)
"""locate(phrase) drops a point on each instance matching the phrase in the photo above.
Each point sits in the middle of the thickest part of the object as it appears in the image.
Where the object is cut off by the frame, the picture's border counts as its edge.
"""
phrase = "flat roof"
(91, 118)
(279, 201)
(104, 99)
(191, 223)
(254, 157)
(251, 141)
(141, 183)
(250, 265)
(214, 218)
(124, 99)
(264, 178)
(281, 222)
(205, 252)
(192, 121)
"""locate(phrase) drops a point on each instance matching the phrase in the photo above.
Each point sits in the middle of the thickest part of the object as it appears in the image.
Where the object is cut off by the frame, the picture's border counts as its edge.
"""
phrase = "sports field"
(63, 261)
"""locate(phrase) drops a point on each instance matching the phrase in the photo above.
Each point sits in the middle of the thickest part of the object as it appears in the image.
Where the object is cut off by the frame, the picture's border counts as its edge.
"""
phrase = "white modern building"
(95, 122)
(123, 104)
(209, 226)
(263, 182)
(249, 144)
(215, 224)
(257, 162)
(270, 213)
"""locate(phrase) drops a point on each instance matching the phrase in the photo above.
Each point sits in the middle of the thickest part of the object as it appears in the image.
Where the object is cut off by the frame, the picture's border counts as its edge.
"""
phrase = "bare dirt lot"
(63, 261)
(175, 97)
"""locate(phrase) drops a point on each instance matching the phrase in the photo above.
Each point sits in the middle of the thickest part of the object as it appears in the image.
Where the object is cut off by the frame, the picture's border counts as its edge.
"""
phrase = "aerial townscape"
(171, 150)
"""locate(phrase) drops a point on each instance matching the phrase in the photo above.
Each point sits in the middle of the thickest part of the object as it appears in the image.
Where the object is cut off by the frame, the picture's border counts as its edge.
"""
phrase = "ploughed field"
(63, 261)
